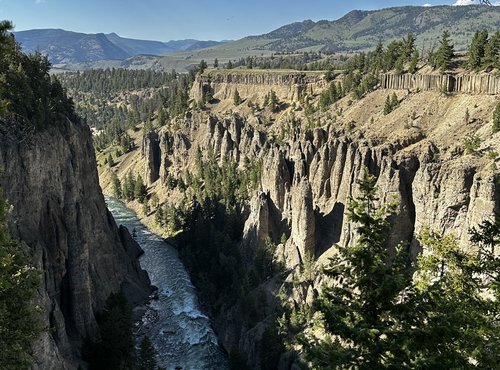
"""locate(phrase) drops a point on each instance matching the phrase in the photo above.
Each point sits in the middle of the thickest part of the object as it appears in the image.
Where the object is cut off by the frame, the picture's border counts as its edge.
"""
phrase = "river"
(181, 334)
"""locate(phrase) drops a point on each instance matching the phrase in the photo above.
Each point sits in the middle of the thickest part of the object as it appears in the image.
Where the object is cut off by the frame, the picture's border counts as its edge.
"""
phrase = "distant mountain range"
(66, 47)
(356, 31)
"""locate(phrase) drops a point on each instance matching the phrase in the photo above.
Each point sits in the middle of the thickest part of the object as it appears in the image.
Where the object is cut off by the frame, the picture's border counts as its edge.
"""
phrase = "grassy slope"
(357, 30)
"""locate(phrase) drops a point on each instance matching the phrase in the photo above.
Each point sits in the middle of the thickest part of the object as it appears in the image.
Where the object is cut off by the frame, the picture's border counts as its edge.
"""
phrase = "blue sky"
(166, 20)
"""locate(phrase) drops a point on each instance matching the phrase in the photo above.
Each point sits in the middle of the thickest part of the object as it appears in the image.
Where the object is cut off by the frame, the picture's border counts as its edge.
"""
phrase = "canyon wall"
(287, 85)
(59, 215)
(309, 174)
(457, 83)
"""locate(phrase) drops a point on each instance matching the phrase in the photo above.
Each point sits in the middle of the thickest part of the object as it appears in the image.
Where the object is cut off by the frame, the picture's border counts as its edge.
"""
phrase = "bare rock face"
(151, 151)
(287, 85)
(257, 226)
(469, 83)
(303, 219)
(59, 214)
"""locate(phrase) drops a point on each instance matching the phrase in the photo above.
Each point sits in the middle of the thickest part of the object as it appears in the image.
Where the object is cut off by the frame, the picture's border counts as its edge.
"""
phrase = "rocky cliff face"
(309, 174)
(468, 84)
(59, 215)
(287, 85)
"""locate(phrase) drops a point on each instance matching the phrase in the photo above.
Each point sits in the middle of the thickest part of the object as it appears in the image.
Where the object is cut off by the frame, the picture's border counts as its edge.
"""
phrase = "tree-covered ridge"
(103, 82)
(26, 88)
(114, 100)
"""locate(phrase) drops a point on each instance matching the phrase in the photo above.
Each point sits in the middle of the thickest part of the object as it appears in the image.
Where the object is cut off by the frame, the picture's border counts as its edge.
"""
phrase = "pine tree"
(160, 217)
(359, 311)
(140, 189)
(394, 101)
(202, 66)
(115, 348)
(266, 100)
(236, 98)
(415, 57)
(477, 49)
(408, 47)
(492, 51)
(117, 187)
(110, 161)
(399, 65)
(445, 53)
(383, 313)
(496, 119)
(387, 105)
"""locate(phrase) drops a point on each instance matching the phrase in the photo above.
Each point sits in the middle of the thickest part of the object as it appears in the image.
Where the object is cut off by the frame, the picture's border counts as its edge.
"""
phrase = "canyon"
(311, 165)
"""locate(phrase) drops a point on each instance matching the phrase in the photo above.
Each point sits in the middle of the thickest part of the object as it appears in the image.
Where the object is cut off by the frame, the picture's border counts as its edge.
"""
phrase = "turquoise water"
(180, 332)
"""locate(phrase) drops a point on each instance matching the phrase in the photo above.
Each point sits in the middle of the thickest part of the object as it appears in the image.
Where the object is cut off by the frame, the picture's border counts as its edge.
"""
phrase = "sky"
(165, 20)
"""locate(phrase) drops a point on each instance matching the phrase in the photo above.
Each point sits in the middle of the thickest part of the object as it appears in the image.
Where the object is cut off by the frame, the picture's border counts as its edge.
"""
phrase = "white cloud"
(427, 5)
(464, 2)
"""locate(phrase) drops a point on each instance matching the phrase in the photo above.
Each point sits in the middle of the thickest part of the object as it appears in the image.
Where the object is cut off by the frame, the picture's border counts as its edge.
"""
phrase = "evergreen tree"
(492, 51)
(266, 100)
(382, 313)
(415, 57)
(451, 310)
(154, 201)
(387, 105)
(359, 312)
(147, 354)
(394, 101)
(202, 66)
(160, 217)
(496, 119)
(117, 187)
(444, 54)
(399, 65)
(128, 187)
(216, 63)
(236, 98)
(477, 49)
(140, 189)
(408, 47)
(109, 160)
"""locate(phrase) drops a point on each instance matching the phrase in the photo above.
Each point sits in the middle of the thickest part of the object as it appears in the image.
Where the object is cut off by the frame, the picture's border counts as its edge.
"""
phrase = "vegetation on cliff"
(27, 91)
(381, 312)
(18, 283)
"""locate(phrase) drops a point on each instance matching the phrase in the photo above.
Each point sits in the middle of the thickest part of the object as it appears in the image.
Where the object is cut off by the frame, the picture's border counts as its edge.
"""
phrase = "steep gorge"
(58, 214)
(309, 171)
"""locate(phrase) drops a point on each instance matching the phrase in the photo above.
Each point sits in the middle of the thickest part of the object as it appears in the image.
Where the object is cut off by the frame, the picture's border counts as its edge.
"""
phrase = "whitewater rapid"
(180, 332)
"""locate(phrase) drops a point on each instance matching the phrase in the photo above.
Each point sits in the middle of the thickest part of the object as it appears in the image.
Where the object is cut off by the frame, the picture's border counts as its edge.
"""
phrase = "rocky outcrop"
(151, 151)
(303, 219)
(309, 176)
(59, 215)
(287, 85)
(308, 181)
(460, 83)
